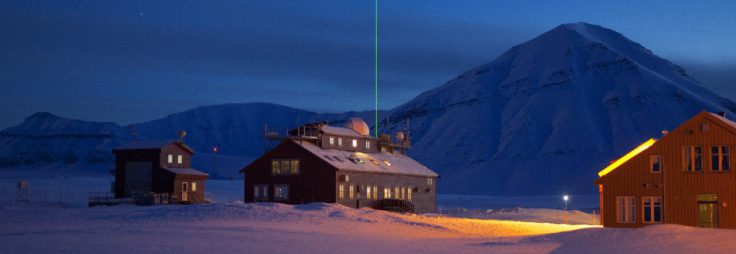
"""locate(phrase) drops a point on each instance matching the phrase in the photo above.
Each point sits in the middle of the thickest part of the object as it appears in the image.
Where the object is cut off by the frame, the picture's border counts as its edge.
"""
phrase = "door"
(708, 215)
(184, 191)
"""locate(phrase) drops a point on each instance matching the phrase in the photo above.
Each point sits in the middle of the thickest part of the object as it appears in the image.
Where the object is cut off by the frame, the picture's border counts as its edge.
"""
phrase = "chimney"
(722, 114)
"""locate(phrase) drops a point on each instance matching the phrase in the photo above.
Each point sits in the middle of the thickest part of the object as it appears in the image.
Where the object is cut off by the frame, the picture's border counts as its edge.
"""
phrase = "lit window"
(284, 167)
(295, 166)
(625, 210)
(179, 159)
(387, 163)
(275, 167)
(341, 191)
(171, 158)
(339, 141)
(652, 209)
(281, 192)
(368, 192)
(375, 192)
(403, 191)
(693, 158)
(367, 145)
(355, 143)
(194, 186)
(386, 192)
(719, 158)
(429, 181)
(655, 163)
(351, 193)
(332, 141)
(408, 193)
(397, 193)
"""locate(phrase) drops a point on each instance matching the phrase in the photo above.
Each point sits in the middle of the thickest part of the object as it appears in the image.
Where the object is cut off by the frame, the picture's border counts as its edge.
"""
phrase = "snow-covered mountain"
(546, 115)
(542, 118)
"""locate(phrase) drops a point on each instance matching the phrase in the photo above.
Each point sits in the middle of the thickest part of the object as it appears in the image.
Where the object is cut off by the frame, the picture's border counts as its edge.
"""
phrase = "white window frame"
(644, 207)
(332, 141)
(355, 143)
(339, 141)
(625, 209)
(179, 159)
(170, 158)
(652, 159)
(367, 144)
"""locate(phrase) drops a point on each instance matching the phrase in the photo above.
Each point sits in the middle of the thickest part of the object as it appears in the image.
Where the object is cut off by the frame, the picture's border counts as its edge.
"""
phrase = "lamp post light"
(214, 158)
(565, 198)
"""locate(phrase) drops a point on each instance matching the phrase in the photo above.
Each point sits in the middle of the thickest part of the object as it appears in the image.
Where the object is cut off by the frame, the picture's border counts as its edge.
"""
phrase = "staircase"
(396, 205)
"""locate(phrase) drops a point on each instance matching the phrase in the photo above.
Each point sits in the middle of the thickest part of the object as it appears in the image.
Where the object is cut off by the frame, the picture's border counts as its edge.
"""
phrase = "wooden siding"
(424, 199)
(678, 188)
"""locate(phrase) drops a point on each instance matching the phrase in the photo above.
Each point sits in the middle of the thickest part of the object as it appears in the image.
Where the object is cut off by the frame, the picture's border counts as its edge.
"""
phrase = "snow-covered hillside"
(541, 119)
(546, 115)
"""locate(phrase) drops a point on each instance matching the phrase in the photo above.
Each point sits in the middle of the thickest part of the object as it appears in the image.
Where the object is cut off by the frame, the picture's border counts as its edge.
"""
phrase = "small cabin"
(158, 167)
(684, 178)
(323, 163)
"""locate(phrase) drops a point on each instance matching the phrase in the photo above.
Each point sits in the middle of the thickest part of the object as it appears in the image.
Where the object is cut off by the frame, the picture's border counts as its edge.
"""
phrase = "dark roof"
(150, 145)
(186, 171)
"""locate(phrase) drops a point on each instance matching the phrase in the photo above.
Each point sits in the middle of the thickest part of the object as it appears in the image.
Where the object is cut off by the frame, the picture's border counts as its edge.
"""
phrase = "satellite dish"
(181, 134)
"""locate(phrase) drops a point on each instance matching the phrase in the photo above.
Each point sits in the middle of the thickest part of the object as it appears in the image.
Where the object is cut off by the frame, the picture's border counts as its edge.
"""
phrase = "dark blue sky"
(131, 61)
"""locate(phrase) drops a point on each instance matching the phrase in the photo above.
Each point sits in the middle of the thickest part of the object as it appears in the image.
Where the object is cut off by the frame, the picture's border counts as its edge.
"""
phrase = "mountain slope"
(544, 116)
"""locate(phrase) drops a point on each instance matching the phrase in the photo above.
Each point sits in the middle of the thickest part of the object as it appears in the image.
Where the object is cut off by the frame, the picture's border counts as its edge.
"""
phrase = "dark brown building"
(144, 167)
(683, 178)
(323, 163)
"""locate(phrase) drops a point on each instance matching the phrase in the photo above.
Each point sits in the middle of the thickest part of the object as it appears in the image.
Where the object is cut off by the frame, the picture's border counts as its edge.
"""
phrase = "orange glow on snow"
(627, 157)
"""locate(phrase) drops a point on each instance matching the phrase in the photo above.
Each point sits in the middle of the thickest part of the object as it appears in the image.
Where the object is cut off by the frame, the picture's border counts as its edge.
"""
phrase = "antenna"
(181, 134)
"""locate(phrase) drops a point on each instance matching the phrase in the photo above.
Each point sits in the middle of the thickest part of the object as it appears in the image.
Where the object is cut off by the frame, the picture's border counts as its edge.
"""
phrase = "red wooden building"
(323, 163)
(684, 178)
(158, 167)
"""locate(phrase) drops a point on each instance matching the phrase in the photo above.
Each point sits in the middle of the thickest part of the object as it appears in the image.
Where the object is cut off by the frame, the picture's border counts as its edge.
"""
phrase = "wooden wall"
(678, 188)
(424, 199)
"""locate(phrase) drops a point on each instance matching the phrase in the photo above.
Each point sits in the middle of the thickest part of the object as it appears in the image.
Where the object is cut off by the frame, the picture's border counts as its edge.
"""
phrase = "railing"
(104, 198)
(397, 205)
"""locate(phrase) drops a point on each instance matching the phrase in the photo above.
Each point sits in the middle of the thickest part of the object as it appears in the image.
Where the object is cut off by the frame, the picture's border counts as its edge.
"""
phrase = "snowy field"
(58, 221)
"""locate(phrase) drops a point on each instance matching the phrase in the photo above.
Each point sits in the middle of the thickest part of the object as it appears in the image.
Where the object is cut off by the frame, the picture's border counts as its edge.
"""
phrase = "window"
(719, 158)
(171, 158)
(351, 193)
(367, 145)
(355, 143)
(375, 192)
(194, 186)
(332, 141)
(386, 192)
(403, 191)
(652, 209)
(339, 141)
(368, 192)
(179, 159)
(655, 163)
(429, 181)
(260, 192)
(625, 210)
(284, 167)
(693, 158)
(408, 193)
(397, 193)
(341, 191)
(281, 192)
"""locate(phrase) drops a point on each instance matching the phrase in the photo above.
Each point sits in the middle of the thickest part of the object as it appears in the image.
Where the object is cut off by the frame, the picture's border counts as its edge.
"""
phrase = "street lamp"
(565, 198)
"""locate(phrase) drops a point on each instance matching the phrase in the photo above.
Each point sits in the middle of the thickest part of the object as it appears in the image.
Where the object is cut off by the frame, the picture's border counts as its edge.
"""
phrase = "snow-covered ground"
(45, 225)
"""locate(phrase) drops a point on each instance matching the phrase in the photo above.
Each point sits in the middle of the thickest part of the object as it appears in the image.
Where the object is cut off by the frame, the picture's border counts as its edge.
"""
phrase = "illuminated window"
(275, 167)
(284, 167)
(194, 186)
(281, 192)
(339, 141)
(652, 209)
(332, 141)
(367, 145)
(171, 158)
(351, 191)
(403, 191)
(693, 158)
(386, 192)
(655, 163)
(397, 193)
(355, 143)
(295, 166)
(408, 193)
(375, 192)
(719, 159)
(429, 181)
(341, 191)
(625, 210)
(368, 192)
(179, 159)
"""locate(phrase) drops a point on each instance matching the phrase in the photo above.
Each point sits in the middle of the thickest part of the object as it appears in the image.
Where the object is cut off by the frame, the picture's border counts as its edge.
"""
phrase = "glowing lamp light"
(565, 197)
(627, 157)
(214, 149)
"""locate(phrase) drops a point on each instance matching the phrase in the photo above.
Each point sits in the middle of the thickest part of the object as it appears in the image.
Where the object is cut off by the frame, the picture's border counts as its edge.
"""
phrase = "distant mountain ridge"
(541, 118)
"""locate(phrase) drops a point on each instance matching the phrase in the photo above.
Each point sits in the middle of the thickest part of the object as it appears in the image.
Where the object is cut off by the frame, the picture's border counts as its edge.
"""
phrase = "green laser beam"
(376, 66)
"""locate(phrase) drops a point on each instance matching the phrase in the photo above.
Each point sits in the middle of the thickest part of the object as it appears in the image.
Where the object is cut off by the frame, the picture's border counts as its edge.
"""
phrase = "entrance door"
(184, 190)
(708, 210)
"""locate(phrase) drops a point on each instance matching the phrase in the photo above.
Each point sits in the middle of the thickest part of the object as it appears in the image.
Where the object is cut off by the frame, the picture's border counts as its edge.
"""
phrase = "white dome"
(359, 126)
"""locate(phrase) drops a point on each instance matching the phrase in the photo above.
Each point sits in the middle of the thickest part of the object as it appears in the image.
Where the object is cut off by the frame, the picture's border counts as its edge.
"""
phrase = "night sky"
(132, 61)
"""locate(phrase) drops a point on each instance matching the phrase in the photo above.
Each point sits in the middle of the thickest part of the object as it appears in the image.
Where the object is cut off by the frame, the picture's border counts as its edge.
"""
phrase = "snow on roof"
(186, 171)
(369, 162)
(724, 119)
(340, 131)
(148, 144)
